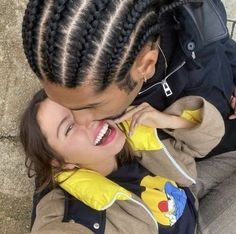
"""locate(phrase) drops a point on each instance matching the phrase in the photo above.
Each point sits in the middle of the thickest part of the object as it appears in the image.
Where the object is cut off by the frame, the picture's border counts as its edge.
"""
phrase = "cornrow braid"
(71, 42)
(51, 34)
(79, 50)
(29, 26)
(40, 41)
(148, 32)
(123, 38)
(115, 48)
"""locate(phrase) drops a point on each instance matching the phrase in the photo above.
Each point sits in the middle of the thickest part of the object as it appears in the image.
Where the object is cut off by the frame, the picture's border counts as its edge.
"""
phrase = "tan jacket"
(172, 158)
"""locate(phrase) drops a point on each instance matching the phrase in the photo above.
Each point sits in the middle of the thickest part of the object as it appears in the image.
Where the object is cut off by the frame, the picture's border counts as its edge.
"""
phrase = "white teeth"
(101, 133)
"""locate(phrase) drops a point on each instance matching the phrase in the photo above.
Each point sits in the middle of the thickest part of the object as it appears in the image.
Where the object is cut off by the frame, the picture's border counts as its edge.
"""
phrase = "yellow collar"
(91, 188)
(144, 138)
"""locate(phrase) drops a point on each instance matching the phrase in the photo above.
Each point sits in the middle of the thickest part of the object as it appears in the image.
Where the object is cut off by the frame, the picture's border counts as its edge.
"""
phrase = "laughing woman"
(95, 183)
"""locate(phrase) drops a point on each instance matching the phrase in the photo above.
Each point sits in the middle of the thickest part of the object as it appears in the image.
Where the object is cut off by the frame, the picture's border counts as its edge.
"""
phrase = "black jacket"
(202, 61)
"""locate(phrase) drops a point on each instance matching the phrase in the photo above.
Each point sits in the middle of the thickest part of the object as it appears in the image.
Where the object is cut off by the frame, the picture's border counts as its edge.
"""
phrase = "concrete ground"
(17, 85)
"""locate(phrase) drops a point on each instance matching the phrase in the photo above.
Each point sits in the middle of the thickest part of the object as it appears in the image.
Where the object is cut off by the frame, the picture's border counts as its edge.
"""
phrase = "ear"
(145, 64)
(67, 166)
(55, 163)
(70, 166)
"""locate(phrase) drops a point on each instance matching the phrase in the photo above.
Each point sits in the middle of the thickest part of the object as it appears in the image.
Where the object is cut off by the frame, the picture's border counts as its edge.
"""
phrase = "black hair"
(69, 42)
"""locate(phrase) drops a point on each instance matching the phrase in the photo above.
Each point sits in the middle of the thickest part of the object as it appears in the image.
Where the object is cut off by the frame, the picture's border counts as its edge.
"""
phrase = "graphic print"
(164, 198)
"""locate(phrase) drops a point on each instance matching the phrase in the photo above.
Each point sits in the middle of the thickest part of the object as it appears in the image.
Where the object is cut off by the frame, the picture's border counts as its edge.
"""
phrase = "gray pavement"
(17, 85)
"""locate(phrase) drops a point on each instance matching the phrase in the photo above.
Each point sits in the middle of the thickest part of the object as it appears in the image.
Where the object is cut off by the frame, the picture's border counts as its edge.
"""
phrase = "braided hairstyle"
(69, 42)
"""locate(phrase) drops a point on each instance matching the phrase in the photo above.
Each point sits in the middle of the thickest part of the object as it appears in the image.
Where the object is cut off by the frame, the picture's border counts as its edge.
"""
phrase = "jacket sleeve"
(49, 216)
(207, 133)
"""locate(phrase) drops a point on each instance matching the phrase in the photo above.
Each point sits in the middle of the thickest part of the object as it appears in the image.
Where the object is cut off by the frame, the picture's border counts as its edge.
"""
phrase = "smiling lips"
(105, 135)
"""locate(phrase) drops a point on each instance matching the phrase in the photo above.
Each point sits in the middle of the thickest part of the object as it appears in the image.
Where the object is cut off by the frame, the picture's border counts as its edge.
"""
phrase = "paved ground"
(17, 84)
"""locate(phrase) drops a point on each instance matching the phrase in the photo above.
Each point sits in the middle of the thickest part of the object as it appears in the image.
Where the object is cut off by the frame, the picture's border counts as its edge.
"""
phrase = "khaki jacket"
(172, 158)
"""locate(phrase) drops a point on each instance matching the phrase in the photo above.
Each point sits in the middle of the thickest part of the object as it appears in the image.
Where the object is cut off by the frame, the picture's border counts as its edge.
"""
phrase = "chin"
(118, 145)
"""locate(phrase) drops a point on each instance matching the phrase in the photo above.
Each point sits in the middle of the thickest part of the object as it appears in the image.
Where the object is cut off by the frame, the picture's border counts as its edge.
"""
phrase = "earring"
(144, 78)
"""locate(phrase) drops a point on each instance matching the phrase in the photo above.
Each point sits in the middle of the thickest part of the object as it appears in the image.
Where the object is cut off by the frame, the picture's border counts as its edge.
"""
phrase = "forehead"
(74, 98)
(49, 115)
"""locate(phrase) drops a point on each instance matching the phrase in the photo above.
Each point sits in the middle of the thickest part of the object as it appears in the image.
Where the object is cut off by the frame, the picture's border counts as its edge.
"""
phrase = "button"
(191, 46)
(96, 226)
(72, 221)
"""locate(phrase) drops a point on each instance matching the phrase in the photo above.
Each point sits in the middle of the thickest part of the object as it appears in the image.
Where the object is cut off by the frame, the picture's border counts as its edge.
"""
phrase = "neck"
(104, 168)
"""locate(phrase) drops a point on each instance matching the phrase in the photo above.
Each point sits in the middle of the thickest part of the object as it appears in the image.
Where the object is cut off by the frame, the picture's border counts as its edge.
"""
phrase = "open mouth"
(105, 135)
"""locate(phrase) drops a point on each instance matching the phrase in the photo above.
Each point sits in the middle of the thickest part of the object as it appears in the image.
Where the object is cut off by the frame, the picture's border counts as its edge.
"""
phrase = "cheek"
(75, 146)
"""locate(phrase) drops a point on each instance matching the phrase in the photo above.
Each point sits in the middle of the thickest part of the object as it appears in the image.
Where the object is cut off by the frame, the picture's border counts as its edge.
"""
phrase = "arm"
(209, 131)
(146, 115)
(197, 130)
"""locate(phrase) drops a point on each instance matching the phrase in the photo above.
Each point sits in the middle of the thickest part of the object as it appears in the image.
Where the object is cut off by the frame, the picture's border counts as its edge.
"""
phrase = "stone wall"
(17, 85)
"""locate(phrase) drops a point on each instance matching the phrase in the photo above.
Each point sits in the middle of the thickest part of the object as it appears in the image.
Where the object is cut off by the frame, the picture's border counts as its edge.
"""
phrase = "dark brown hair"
(39, 154)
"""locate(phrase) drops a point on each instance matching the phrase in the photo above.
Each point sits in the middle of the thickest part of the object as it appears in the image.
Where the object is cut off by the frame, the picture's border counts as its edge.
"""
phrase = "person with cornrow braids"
(99, 57)
(107, 55)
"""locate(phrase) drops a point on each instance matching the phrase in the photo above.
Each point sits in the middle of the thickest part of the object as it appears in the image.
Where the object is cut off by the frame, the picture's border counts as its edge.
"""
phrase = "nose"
(83, 118)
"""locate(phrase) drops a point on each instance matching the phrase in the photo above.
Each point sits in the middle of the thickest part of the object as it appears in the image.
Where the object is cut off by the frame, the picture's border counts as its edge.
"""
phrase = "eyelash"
(69, 129)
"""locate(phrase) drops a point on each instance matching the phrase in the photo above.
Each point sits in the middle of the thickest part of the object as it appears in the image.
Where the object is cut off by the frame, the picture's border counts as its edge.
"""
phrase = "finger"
(130, 112)
(125, 116)
(231, 117)
(137, 119)
(233, 102)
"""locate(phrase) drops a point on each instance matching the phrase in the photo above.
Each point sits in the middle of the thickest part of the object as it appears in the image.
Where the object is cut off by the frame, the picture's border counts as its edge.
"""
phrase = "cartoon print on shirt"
(164, 198)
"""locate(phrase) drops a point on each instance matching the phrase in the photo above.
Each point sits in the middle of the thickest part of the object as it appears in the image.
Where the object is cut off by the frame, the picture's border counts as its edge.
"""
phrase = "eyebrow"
(60, 124)
(86, 107)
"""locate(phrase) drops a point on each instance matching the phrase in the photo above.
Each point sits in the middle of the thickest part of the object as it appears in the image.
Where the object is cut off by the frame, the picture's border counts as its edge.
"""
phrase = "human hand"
(147, 115)
(233, 105)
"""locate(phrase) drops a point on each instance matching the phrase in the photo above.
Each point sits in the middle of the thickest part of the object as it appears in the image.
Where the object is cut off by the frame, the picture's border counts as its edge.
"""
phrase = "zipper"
(177, 166)
(147, 210)
(135, 201)
(165, 85)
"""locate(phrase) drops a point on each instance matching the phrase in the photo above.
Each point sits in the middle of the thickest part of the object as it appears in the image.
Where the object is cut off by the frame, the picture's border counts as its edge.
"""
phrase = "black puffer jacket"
(201, 59)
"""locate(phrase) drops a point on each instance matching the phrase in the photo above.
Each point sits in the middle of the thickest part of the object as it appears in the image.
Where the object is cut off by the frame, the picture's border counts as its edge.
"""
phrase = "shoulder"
(202, 24)
(50, 213)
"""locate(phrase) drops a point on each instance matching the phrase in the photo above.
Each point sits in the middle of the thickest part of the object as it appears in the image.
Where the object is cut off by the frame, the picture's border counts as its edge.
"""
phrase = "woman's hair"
(39, 154)
(69, 42)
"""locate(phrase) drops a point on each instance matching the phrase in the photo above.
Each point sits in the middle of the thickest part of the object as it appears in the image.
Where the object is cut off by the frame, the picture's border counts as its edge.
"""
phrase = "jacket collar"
(97, 191)
(91, 188)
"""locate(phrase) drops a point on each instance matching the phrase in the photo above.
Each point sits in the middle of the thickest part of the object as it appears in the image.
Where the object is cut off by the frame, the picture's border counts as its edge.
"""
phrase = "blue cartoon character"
(176, 202)
(164, 198)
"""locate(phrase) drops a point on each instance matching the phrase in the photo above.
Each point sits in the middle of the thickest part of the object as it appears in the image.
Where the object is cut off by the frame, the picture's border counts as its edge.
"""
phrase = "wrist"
(176, 122)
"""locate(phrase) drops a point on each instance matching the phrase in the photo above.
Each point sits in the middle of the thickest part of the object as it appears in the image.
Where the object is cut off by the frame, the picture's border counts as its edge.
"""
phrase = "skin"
(76, 143)
(145, 114)
(87, 105)
(233, 105)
